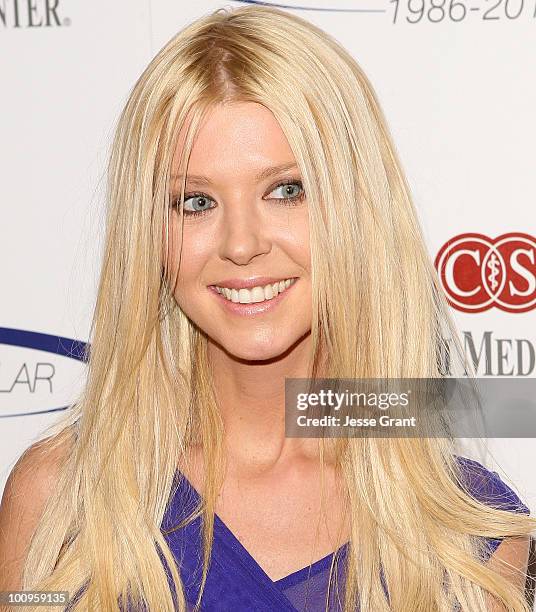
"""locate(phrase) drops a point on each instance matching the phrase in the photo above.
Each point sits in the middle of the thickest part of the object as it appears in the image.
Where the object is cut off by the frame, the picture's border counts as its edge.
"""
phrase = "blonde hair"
(377, 312)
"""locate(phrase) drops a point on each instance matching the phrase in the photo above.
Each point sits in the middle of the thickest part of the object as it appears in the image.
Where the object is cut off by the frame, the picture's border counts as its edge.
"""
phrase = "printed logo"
(331, 7)
(478, 272)
(36, 371)
(36, 14)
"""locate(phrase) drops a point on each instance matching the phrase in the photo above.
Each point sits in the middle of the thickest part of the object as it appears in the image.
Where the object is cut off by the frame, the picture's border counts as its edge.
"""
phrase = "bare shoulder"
(35, 473)
(27, 489)
(511, 559)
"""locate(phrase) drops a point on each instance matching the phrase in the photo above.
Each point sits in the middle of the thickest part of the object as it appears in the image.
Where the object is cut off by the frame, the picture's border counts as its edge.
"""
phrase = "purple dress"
(237, 583)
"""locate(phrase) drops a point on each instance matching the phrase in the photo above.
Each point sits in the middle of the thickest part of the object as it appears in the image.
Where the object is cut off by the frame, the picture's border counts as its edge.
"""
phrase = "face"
(245, 235)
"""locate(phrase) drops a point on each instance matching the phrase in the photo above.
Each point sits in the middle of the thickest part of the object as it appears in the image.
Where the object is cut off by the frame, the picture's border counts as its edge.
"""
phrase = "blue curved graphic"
(58, 345)
(311, 8)
(19, 414)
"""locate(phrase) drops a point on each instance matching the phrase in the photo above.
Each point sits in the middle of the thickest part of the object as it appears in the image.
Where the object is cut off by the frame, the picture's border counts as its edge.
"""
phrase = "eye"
(292, 191)
(199, 205)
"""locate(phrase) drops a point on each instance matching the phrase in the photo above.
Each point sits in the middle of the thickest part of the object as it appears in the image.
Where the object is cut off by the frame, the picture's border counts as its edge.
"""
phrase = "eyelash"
(284, 201)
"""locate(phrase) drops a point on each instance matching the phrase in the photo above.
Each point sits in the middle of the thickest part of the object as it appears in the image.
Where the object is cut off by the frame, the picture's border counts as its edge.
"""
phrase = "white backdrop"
(455, 80)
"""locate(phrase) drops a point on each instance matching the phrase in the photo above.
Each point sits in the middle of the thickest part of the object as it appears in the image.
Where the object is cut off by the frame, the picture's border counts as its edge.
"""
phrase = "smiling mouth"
(255, 294)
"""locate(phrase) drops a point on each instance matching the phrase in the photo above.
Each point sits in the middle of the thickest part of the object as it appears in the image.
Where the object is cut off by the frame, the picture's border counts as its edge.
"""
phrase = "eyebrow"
(263, 174)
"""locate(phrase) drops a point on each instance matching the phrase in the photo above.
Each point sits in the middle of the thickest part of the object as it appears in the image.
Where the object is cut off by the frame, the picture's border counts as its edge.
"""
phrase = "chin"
(259, 351)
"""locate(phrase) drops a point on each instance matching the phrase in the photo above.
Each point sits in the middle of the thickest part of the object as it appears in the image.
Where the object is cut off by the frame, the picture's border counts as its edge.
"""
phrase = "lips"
(250, 282)
(255, 301)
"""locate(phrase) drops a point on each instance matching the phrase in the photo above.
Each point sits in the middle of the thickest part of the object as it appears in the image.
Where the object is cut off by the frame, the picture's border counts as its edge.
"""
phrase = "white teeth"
(256, 294)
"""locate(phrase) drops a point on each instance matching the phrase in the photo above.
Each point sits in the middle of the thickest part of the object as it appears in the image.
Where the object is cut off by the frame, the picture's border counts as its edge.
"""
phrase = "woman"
(259, 228)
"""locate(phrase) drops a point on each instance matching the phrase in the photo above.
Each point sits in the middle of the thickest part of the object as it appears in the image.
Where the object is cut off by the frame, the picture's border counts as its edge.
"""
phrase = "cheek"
(305, 250)
(298, 245)
(194, 255)
(189, 261)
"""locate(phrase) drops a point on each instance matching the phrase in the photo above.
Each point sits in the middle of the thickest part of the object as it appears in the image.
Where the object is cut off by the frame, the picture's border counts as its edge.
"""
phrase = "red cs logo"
(477, 272)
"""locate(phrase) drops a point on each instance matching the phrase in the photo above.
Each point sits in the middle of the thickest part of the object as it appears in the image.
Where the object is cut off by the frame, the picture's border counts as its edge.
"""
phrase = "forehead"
(237, 137)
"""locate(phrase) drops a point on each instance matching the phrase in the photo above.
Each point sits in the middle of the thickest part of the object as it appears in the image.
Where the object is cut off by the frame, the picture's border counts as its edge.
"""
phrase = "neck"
(251, 399)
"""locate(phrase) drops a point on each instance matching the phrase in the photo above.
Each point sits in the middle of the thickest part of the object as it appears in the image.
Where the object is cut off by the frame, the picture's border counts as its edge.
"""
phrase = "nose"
(245, 233)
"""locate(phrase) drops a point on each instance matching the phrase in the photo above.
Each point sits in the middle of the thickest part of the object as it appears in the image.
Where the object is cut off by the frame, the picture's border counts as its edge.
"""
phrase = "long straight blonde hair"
(378, 311)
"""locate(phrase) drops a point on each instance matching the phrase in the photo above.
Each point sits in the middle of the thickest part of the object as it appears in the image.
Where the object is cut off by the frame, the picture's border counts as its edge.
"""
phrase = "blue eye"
(200, 203)
(288, 196)
(292, 193)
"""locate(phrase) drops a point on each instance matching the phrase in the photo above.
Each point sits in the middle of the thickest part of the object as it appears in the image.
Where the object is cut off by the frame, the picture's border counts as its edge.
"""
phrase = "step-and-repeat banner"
(455, 79)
